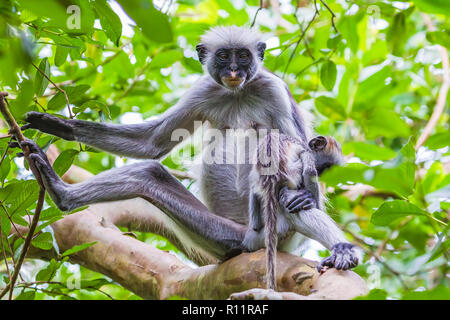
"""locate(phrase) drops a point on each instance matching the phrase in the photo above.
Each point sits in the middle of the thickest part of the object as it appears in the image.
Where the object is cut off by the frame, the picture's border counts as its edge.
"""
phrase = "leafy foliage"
(371, 77)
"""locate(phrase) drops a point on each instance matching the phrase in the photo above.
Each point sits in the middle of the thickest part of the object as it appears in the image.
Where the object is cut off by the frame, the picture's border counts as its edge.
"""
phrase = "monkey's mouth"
(233, 81)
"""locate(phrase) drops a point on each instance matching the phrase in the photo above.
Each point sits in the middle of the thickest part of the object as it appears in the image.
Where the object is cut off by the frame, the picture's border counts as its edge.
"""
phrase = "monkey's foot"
(343, 256)
(256, 294)
(296, 200)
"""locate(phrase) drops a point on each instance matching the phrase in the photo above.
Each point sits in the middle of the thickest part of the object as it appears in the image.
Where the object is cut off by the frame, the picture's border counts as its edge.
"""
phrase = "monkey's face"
(232, 67)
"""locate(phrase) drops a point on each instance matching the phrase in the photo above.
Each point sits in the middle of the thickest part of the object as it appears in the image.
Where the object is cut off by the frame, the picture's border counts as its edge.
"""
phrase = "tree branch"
(15, 130)
(442, 97)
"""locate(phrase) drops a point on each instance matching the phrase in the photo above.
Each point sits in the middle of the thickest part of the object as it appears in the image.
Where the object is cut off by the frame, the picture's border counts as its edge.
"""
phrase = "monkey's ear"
(318, 143)
(201, 51)
(261, 47)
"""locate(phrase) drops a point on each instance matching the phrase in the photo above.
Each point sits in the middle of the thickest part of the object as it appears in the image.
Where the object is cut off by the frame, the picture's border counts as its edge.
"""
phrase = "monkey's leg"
(317, 225)
(151, 181)
(254, 237)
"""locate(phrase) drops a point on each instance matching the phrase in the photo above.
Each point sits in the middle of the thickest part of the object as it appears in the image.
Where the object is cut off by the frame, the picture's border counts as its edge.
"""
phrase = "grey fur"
(262, 102)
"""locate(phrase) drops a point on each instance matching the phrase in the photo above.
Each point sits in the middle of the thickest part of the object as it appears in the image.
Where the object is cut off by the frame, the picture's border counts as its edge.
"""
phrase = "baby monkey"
(285, 166)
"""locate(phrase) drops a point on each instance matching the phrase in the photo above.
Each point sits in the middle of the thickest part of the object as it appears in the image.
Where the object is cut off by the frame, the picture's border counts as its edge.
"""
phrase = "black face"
(231, 67)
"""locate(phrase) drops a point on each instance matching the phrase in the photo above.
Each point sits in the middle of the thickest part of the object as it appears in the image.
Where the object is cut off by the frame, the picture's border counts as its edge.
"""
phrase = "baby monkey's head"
(327, 152)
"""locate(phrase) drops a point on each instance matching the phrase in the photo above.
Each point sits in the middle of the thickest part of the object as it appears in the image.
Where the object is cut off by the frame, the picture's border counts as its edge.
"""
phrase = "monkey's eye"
(223, 55)
(243, 56)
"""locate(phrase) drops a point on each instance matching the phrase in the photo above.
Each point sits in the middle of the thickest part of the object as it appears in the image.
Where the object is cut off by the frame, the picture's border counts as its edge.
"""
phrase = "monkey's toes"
(343, 257)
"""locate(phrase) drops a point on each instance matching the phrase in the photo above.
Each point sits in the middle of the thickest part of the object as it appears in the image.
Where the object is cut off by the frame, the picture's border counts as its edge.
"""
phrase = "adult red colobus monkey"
(236, 92)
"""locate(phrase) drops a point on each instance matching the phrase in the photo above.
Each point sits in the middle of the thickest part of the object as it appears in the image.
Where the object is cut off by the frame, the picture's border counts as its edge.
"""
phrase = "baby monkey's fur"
(285, 163)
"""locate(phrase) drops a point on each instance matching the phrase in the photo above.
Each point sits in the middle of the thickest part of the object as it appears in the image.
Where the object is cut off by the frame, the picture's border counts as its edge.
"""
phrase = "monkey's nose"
(233, 74)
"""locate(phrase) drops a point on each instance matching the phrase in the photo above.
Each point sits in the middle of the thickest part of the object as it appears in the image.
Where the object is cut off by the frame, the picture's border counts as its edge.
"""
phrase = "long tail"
(271, 238)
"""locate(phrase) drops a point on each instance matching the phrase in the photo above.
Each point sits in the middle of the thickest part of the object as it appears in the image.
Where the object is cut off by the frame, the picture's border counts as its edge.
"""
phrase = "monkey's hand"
(296, 200)
(49, 124)
(53, 184)
(343, 256)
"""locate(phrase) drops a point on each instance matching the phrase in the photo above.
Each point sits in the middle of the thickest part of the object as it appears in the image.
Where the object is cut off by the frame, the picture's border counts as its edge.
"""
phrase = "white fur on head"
(231, 37)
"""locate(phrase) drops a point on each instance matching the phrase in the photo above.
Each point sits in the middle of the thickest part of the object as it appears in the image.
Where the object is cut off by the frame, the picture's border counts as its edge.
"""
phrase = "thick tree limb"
(156, 274)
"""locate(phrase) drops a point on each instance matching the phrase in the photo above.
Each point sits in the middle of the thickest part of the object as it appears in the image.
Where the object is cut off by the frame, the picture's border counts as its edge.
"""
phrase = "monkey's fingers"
(13, 144)
(326, 263)
(304, 205)
(301, 199)
(26, 126)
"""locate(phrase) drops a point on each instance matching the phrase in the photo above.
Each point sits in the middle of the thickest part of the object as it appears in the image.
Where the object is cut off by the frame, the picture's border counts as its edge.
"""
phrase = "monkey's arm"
(150, 140)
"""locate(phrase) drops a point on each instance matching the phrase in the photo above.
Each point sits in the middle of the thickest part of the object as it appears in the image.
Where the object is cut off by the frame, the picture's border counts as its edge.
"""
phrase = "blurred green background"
(370, 73)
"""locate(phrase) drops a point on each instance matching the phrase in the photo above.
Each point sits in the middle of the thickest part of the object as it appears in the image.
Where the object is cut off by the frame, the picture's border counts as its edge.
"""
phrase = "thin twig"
(10, 219)
(257, 11)
(4, 253)
(442, 97)
(373, 254)
(15, 130)
(57, 88)
(333, 16)
(302, 35)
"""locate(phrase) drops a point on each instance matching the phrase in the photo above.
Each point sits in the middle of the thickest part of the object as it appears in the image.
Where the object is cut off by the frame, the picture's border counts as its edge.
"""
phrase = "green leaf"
(78, 248)
(441, 292)
(5, 168)
(73, 93)
(396, 175)
(19, 195)
(50, 214)
(47, 8)
(441, 37)
(87, 18)
(433, 6)
(20, 105)
(40, 82)
(165, 59)
(382, 122)
(366, 151)
(392, 211)
(374, 294)
(94, 105)
(5, 223)
(48, 272)
(371, 87)
(154, 24)
(64, 161)
(26, 295)
(330, 108)
(109, 21)
(328, 74)
(61, 54)
(47, 223)
(43, 241)
(396, 35)
(94, 284)
(347, 27)
(438, 140)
